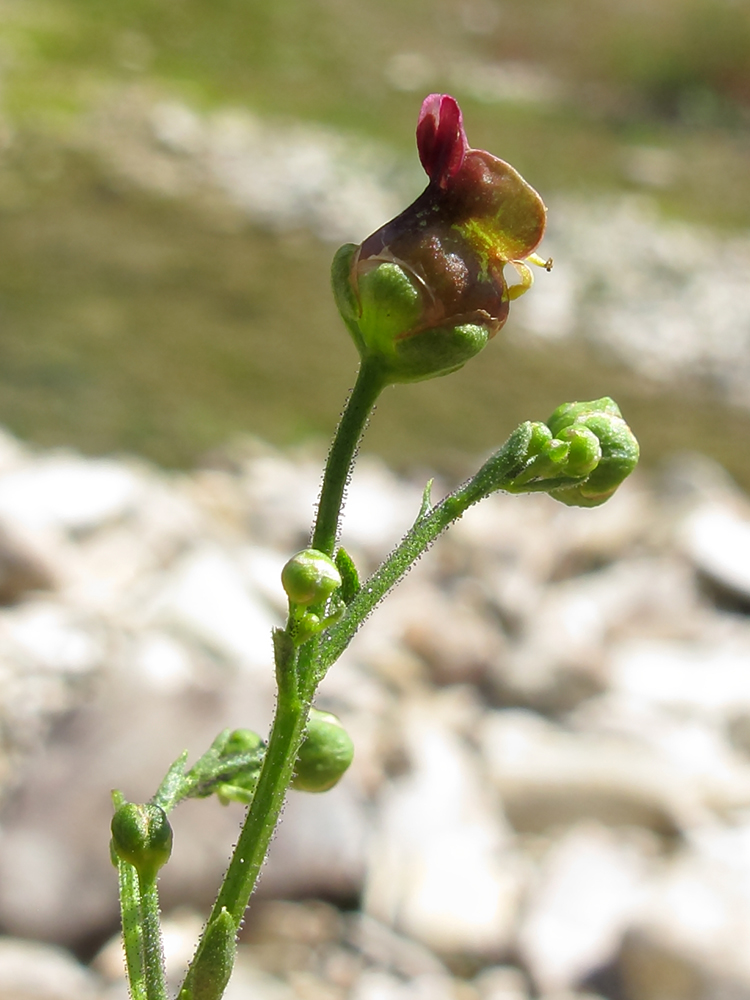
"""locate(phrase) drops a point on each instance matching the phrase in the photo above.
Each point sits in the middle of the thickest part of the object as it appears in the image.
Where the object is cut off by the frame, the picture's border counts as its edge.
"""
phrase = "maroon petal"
(441, 139)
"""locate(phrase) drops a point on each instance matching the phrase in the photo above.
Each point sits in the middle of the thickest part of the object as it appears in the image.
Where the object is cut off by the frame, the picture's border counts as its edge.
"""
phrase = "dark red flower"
(440, 263)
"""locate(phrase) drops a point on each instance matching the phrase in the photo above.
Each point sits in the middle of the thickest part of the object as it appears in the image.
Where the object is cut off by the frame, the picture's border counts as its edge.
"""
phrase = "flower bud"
(584, 450)
(427, 291)
(142, 836)
(619, 449)
(241, 741)
(325, 754)
(310, 577)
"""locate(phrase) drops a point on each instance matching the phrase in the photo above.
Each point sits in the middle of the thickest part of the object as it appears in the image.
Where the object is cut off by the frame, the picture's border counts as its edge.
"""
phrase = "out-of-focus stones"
(206, 598)
(442, 868)
(550, 720)
(548, 776)
(586, 892)
(67, 492)
(457, 644)
(23, 565)
(382, 946)
(32, 971)
(690, 938)
(708, 678)
(718, 541)
(501, 982)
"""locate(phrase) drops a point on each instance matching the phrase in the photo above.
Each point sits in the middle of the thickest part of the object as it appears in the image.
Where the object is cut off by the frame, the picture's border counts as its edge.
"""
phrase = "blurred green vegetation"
(130, 322)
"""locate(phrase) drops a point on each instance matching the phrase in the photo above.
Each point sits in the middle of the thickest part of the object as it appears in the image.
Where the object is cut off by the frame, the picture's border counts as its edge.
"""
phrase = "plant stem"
(276, 773)
(366, 390)
(153, 952)
(132, 932)
(295, 691)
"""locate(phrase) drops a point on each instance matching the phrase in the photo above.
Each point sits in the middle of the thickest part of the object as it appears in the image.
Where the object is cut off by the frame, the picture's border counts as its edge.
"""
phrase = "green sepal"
(324, 755)
(349, 575)
(390, 305)
(212, 968)
(385, 314)
(304, 627)
(435, 352)
(343, 292)
(569, 413)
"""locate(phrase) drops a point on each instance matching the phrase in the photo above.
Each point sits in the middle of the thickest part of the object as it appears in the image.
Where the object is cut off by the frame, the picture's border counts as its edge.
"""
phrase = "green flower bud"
(310, 577)
(240, 785)
(241, 741)
(142, 836)
(325, 754)
(584, 450)
(619, 451)
(540, 437)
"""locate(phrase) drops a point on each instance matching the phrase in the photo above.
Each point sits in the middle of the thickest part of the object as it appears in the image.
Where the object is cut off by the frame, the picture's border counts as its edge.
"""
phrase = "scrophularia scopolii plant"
(420, 297)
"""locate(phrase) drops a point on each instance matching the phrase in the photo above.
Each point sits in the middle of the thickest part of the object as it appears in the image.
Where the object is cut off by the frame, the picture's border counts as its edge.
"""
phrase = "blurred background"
(176, 175)
(551, 790)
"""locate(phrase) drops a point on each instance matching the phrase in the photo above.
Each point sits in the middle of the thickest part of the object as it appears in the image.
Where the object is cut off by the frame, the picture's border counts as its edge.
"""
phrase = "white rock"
(457, 643)
(690, 938)
(163, 662)
(206, 597)
(249, 981)
(375, 984)
(717, 539)
(281, 497)
(547, 776)
(44, 635)
(501, 982)
(261, 568)
(33, 971)
(695, 746)
(383, 947)
(704, 679)
(69, 492)
(589, 886)
(441, 869)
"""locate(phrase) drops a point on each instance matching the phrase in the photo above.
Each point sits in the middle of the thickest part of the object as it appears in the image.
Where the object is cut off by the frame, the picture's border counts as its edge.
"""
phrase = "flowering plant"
(420, 297)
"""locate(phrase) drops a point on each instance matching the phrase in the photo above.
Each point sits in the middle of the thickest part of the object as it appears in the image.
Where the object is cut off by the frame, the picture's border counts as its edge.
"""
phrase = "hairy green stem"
(132, 930)
(153, 951)
(366, 390)
(296, 678)
(263, 814)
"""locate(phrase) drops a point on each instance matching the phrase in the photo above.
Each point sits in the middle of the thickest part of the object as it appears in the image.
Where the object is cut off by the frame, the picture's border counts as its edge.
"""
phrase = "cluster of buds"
(580, 455)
